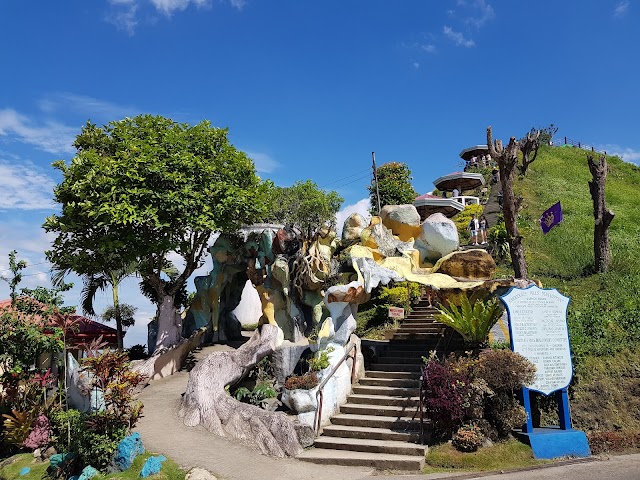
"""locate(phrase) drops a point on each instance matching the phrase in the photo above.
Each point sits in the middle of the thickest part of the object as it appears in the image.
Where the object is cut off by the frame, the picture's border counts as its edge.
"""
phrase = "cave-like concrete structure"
(310, 285)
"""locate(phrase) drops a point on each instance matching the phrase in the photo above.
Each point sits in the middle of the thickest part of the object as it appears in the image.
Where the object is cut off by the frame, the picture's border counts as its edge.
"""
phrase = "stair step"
(435, 332)
(397, 367)
(402, 424)
(383, 400)
(370, 445)
(388, 382)
(381, 461)
(379, 410)
(394, 359)
(391, 374)
(386, 391)
(346, 431)
(415, 336)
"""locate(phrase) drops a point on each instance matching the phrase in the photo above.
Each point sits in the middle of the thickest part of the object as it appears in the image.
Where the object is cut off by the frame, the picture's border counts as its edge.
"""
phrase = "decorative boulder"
(88, 472)
(286, 357)
(152, 466)
(378, 237)
(128, 449)
(474, 264)
(300, 400)
(199, 474)
(352, 228)
(80, 395)
(439, 236)
(402, 220)
(59, 461)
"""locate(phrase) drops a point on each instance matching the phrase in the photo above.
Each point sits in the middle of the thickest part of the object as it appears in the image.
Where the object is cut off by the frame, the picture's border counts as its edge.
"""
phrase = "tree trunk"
(602, 215)
(529, 144)
(207, 403)
(507, 160)
(169, 323)
(116, 308)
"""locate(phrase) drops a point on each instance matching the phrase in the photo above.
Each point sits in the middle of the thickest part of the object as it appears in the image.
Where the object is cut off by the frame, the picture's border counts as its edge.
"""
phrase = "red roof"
(86, 330)
(427, 195)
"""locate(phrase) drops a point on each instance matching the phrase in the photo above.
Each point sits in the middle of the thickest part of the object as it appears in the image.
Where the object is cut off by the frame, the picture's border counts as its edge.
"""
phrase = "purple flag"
(551, 217)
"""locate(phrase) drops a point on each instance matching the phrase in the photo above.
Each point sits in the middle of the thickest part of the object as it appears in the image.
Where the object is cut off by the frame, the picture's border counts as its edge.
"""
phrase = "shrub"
(445, 390)
(504, 370)
(259, 396)
(94, 437)
(320, 360)
(303, 382)
(112, 375)
(137, 352)
(468, 438)
(40, 433)
(602, 442)
(497, 237)
(505, 413)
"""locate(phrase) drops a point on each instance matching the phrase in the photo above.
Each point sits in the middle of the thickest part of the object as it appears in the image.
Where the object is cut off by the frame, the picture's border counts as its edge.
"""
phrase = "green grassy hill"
(604, 313)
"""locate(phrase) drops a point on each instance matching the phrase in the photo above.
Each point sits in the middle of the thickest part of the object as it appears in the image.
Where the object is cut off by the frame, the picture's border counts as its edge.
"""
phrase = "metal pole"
(375, 178)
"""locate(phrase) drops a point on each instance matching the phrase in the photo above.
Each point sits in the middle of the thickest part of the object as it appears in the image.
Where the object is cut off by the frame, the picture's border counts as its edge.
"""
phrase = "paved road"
(622, 467)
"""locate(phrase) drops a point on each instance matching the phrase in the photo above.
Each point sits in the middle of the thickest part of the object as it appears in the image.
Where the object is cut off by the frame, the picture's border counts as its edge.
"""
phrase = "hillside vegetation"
(604, 313)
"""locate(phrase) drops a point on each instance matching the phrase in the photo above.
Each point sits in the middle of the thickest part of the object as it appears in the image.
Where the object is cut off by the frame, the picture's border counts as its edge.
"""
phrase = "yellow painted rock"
(474, 264)
(402, 220)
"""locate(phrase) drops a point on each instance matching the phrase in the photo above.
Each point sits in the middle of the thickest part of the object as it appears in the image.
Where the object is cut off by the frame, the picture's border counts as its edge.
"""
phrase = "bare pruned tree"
(507, 160)
(602, 215)
(529, 145)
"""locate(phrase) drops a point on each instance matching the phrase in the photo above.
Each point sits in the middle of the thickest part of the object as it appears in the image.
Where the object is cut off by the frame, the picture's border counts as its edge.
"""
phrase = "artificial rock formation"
(353, 226)
(438, 236)
(474, 264)
(207, 403)
(402, 220)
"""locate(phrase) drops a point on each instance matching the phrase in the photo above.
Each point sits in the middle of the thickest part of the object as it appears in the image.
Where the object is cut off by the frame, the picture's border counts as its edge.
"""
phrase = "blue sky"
(308, 89)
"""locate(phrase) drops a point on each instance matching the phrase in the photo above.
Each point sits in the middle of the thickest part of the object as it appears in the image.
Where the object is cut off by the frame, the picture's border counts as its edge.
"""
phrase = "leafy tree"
(304, 205)
(141, 188)
(124, 313)
(48, 296)
(394, 185)
(16, 268)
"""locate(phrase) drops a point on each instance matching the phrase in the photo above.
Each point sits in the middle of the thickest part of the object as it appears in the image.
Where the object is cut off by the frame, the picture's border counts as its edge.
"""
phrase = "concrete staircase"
(379, 426)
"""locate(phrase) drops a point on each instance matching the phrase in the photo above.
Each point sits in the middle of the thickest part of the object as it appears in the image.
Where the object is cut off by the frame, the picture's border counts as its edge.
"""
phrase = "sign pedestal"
(555, 441)
(539, 331)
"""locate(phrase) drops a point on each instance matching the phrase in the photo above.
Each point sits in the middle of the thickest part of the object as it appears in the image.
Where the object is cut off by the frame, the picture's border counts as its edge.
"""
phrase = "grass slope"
(604, 313)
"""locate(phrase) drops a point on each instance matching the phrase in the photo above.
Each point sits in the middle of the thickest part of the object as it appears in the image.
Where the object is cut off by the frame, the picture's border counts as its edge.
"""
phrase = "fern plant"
(473, 319)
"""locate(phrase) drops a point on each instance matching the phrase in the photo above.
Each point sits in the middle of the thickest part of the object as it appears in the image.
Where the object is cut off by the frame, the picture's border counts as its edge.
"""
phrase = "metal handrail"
(320, 395)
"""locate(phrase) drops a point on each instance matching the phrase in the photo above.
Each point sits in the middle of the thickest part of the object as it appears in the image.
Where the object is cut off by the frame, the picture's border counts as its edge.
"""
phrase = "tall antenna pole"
(375, 178)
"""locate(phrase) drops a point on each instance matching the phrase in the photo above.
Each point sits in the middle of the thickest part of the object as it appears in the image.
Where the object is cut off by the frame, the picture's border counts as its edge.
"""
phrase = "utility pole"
(375, 179)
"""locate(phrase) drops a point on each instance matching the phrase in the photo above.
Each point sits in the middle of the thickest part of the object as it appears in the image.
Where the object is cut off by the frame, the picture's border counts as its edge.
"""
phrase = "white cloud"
(52, 137)
(24, 187)
(625, 153)
(239, 4)
(85, 105)
(621, 9)
(169, 6)
(458, 38)
(123, 16)
(264, 163)
(429, 48)
(482, 13)
(362, 207)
